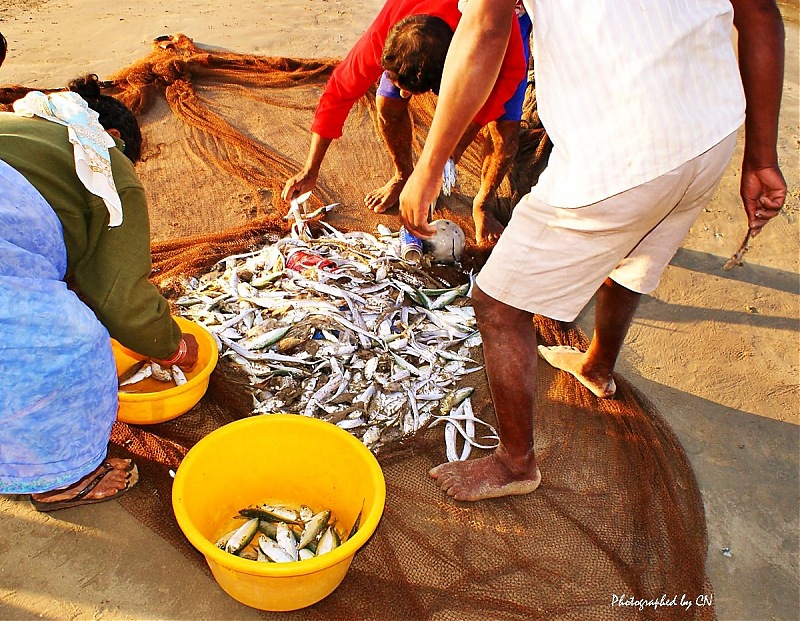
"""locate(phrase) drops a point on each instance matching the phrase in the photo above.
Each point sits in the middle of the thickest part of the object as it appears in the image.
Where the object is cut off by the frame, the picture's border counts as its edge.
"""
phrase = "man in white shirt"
(642, 102)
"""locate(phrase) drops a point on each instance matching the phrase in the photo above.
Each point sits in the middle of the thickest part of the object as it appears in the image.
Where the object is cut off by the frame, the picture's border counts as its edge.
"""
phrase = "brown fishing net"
(618, 513)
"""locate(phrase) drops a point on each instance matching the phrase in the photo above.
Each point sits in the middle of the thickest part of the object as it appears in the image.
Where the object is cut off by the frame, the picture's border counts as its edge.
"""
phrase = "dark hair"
(3, 48)
(414, 52)
(113, 114)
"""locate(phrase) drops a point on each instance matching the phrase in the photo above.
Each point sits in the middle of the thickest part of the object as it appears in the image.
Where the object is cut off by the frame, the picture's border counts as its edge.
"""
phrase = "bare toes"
(447, 480)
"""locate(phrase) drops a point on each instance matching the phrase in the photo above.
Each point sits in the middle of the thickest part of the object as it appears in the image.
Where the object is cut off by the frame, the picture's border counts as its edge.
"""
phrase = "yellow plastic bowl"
(277, 458)
(148, 408)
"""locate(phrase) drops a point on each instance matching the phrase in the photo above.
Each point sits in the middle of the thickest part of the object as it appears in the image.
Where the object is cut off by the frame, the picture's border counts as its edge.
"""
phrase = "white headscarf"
(90, 142)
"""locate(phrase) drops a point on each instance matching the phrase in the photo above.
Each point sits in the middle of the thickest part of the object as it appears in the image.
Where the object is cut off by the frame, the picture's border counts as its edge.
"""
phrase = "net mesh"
(619, 511)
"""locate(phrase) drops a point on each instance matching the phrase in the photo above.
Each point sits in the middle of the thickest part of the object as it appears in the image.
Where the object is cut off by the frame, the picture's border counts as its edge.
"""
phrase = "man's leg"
(394, 121)
(509, 346)
(499, 149)
(614, 311)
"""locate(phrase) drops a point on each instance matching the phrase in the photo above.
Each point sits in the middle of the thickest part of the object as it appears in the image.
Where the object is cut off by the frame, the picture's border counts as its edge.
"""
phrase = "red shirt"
(361, 68)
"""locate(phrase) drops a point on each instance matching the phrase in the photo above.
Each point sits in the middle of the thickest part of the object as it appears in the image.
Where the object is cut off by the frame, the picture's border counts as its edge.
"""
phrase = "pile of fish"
(143, 369)
(353, 334)
(286, 534)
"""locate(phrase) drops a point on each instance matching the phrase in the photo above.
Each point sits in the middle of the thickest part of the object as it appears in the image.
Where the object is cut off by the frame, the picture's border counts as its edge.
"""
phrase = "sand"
(716, 351)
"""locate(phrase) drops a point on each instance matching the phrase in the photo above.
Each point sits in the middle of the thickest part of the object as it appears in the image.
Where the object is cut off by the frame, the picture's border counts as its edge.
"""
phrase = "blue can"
(410, 246)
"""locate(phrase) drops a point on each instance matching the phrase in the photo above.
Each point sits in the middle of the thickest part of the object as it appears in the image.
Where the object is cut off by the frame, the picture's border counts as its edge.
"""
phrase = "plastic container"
(277, 458)
(446, 245)
(148, 408)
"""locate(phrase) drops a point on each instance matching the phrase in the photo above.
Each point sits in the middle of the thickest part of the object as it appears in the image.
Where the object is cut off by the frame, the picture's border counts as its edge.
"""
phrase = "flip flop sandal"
(80, 498)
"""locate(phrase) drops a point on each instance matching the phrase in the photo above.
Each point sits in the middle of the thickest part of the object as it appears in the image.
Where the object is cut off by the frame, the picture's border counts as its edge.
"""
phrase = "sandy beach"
(715, 351)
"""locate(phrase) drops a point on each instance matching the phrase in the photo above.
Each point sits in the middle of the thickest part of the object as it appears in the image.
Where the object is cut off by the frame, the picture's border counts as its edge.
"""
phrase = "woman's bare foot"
(487, 227)
(486, 477)
(116, 478)
(572, 360)
(385, 198)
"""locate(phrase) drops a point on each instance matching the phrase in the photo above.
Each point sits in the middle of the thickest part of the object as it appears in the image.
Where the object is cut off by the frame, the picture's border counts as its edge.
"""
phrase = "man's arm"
(761, 56)
(306, 179)
(350, 80)
(471, 69)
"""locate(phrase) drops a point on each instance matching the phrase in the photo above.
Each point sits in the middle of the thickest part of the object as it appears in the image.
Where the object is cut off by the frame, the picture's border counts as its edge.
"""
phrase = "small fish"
(281, 514)
(160, 373)
(222, 541)
(273, 551)
(453, 399)
(328, 541)
(249, 553)
(357, 523)
(239, 540)
(264, 340)
(178, 375)
(306, 513)
(313, 528)
(130, 372)
(285, 539)
(448, 297)
(143, 373)
(270, 529)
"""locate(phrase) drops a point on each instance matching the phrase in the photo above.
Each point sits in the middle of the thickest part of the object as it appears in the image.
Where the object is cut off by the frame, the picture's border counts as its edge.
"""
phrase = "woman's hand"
(186, 355)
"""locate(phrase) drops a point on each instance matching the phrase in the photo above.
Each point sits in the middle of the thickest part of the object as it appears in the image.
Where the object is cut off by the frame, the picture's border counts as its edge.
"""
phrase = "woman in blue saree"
(72, 210)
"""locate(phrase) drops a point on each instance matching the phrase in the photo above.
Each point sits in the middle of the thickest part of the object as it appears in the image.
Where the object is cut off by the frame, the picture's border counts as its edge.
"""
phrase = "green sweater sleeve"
(112, 274)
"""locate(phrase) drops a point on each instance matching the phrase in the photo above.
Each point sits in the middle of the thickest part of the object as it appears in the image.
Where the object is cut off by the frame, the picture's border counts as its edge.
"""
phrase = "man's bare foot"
(487, 227)
(119, 474)
(385, 198)
(486, 477)
(572, 360)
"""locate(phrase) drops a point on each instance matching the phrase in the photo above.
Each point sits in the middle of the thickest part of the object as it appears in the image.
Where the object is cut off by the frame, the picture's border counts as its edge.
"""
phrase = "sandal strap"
(105, 468)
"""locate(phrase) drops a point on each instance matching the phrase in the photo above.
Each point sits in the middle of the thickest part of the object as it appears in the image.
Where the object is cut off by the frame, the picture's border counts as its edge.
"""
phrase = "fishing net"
(619, 513)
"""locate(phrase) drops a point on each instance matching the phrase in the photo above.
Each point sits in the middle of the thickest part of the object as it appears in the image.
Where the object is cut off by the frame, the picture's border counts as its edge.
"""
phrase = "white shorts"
(551, 260)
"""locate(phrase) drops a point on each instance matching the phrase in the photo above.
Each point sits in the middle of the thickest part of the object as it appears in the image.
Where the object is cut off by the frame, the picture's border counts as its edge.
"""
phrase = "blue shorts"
(513, 107)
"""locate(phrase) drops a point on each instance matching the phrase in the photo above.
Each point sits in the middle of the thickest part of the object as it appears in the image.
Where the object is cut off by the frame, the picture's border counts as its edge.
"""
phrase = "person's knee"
(508, 135)
(491, 313)
(391, 110)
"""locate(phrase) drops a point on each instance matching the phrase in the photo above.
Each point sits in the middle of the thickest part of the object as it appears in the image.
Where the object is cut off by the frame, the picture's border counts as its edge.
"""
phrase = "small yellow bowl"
(279, 459)
(148, 408)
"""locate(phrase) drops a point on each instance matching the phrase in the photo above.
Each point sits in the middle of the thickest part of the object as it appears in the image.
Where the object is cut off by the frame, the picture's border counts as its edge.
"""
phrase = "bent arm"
(306, 179)
(353, 77)
(761, 58)
(113, 279)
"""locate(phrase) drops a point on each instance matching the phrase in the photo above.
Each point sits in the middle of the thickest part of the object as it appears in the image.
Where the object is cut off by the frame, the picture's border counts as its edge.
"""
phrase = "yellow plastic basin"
(277, 458)
(148, 408)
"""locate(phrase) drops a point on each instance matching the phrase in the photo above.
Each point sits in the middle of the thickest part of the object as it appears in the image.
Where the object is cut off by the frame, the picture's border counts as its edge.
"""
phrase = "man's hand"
(304, 181)
(763, 193)
(761, 59)
(420, 191)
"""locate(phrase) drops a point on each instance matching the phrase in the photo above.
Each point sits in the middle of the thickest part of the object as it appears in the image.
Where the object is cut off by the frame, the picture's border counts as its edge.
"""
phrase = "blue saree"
(58, 384)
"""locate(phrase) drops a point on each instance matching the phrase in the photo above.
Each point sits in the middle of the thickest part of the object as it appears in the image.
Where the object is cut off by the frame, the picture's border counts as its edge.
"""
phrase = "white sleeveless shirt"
(629, 90)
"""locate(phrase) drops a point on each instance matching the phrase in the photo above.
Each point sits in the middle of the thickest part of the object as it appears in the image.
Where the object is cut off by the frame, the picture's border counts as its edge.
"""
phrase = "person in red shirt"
(405, 48)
